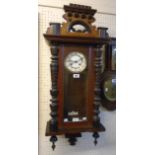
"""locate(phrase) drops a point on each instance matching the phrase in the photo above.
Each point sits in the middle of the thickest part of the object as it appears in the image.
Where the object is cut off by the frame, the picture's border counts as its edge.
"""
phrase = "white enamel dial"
(75, 62)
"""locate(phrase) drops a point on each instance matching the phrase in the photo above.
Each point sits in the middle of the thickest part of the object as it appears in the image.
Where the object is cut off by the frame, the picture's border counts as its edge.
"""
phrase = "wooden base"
(100, 128)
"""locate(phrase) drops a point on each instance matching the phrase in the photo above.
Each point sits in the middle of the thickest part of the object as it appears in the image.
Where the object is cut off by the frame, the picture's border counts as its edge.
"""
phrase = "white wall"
(106, 142)
(100, 5)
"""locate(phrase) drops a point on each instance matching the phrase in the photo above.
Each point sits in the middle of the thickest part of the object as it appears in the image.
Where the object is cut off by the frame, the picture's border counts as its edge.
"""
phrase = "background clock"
(108, 78)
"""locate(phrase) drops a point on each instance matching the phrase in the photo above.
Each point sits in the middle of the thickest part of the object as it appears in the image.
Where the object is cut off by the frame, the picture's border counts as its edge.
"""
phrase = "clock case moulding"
(68, 34)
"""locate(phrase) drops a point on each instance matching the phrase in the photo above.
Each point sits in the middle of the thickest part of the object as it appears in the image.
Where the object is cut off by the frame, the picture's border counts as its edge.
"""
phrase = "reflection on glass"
(78, 28)
(113, 59)
(73, 116)
(110, 89)
(103, 57)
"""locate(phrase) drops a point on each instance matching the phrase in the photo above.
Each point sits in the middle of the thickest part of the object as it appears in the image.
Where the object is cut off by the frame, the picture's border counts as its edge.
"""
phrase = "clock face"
(75, 62)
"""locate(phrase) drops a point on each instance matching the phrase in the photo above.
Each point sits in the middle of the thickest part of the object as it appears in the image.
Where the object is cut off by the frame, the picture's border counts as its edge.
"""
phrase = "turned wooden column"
(97, 91)
(54, 87)
(54, 93)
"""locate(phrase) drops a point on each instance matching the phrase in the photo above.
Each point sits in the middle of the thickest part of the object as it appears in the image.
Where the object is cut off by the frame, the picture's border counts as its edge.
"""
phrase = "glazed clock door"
(77, 85)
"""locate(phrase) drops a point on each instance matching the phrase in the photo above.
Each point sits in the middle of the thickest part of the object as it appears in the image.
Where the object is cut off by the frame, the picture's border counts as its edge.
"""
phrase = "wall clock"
(108, 78)
(75, 74)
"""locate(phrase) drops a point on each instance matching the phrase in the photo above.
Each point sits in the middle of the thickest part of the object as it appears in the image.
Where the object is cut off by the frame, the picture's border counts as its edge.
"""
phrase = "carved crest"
(79, 21)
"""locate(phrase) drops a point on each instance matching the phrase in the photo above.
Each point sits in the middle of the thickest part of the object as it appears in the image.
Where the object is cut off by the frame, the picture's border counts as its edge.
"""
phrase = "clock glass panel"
(75, 108)
(113, 65)
(75, 84)
(75, 62)
(110, 89)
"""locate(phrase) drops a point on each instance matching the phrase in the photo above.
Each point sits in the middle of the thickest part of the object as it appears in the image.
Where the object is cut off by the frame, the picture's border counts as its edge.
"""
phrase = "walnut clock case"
(75, 74)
